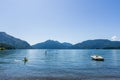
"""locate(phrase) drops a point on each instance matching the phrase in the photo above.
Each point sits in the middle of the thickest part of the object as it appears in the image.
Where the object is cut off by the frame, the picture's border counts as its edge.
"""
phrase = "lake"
(59, 65)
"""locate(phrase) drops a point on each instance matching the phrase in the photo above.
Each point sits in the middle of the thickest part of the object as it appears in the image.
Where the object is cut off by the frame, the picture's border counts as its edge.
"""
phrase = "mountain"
(89, 44)
(66, 45)
(51, 44)
(12, 41)
(6, 46)
(97, 44)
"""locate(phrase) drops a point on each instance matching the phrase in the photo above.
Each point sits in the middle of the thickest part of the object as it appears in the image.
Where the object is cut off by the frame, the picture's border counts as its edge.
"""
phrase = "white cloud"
(114, 38)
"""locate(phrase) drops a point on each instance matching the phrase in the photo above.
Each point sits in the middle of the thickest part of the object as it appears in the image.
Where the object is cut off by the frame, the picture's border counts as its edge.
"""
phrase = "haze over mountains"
(11, 42)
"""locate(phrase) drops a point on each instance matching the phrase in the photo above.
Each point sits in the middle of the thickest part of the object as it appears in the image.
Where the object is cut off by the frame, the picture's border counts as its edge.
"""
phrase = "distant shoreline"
(85, 77)
(62, 49)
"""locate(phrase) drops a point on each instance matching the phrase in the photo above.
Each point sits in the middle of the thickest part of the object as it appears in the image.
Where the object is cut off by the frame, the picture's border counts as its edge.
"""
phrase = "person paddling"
(25, 59)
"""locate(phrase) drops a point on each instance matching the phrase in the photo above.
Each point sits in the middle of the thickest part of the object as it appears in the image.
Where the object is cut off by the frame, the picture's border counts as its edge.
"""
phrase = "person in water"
(25, 59)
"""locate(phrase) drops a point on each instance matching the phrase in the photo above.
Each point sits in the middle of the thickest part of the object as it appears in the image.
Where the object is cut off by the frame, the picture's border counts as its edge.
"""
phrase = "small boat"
(97, 58)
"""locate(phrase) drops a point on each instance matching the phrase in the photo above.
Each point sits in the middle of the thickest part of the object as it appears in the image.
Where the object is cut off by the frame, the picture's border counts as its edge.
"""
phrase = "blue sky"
(63, 20)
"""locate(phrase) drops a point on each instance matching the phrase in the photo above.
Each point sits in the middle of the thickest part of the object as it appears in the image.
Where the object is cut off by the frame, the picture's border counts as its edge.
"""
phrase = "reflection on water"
(58, 62)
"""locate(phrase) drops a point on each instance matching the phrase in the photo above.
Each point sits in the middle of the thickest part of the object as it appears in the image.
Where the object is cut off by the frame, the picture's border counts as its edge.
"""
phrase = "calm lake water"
(59, 63)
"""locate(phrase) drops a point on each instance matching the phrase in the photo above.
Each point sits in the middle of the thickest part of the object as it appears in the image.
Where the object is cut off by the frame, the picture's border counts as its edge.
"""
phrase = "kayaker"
(25, 59)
